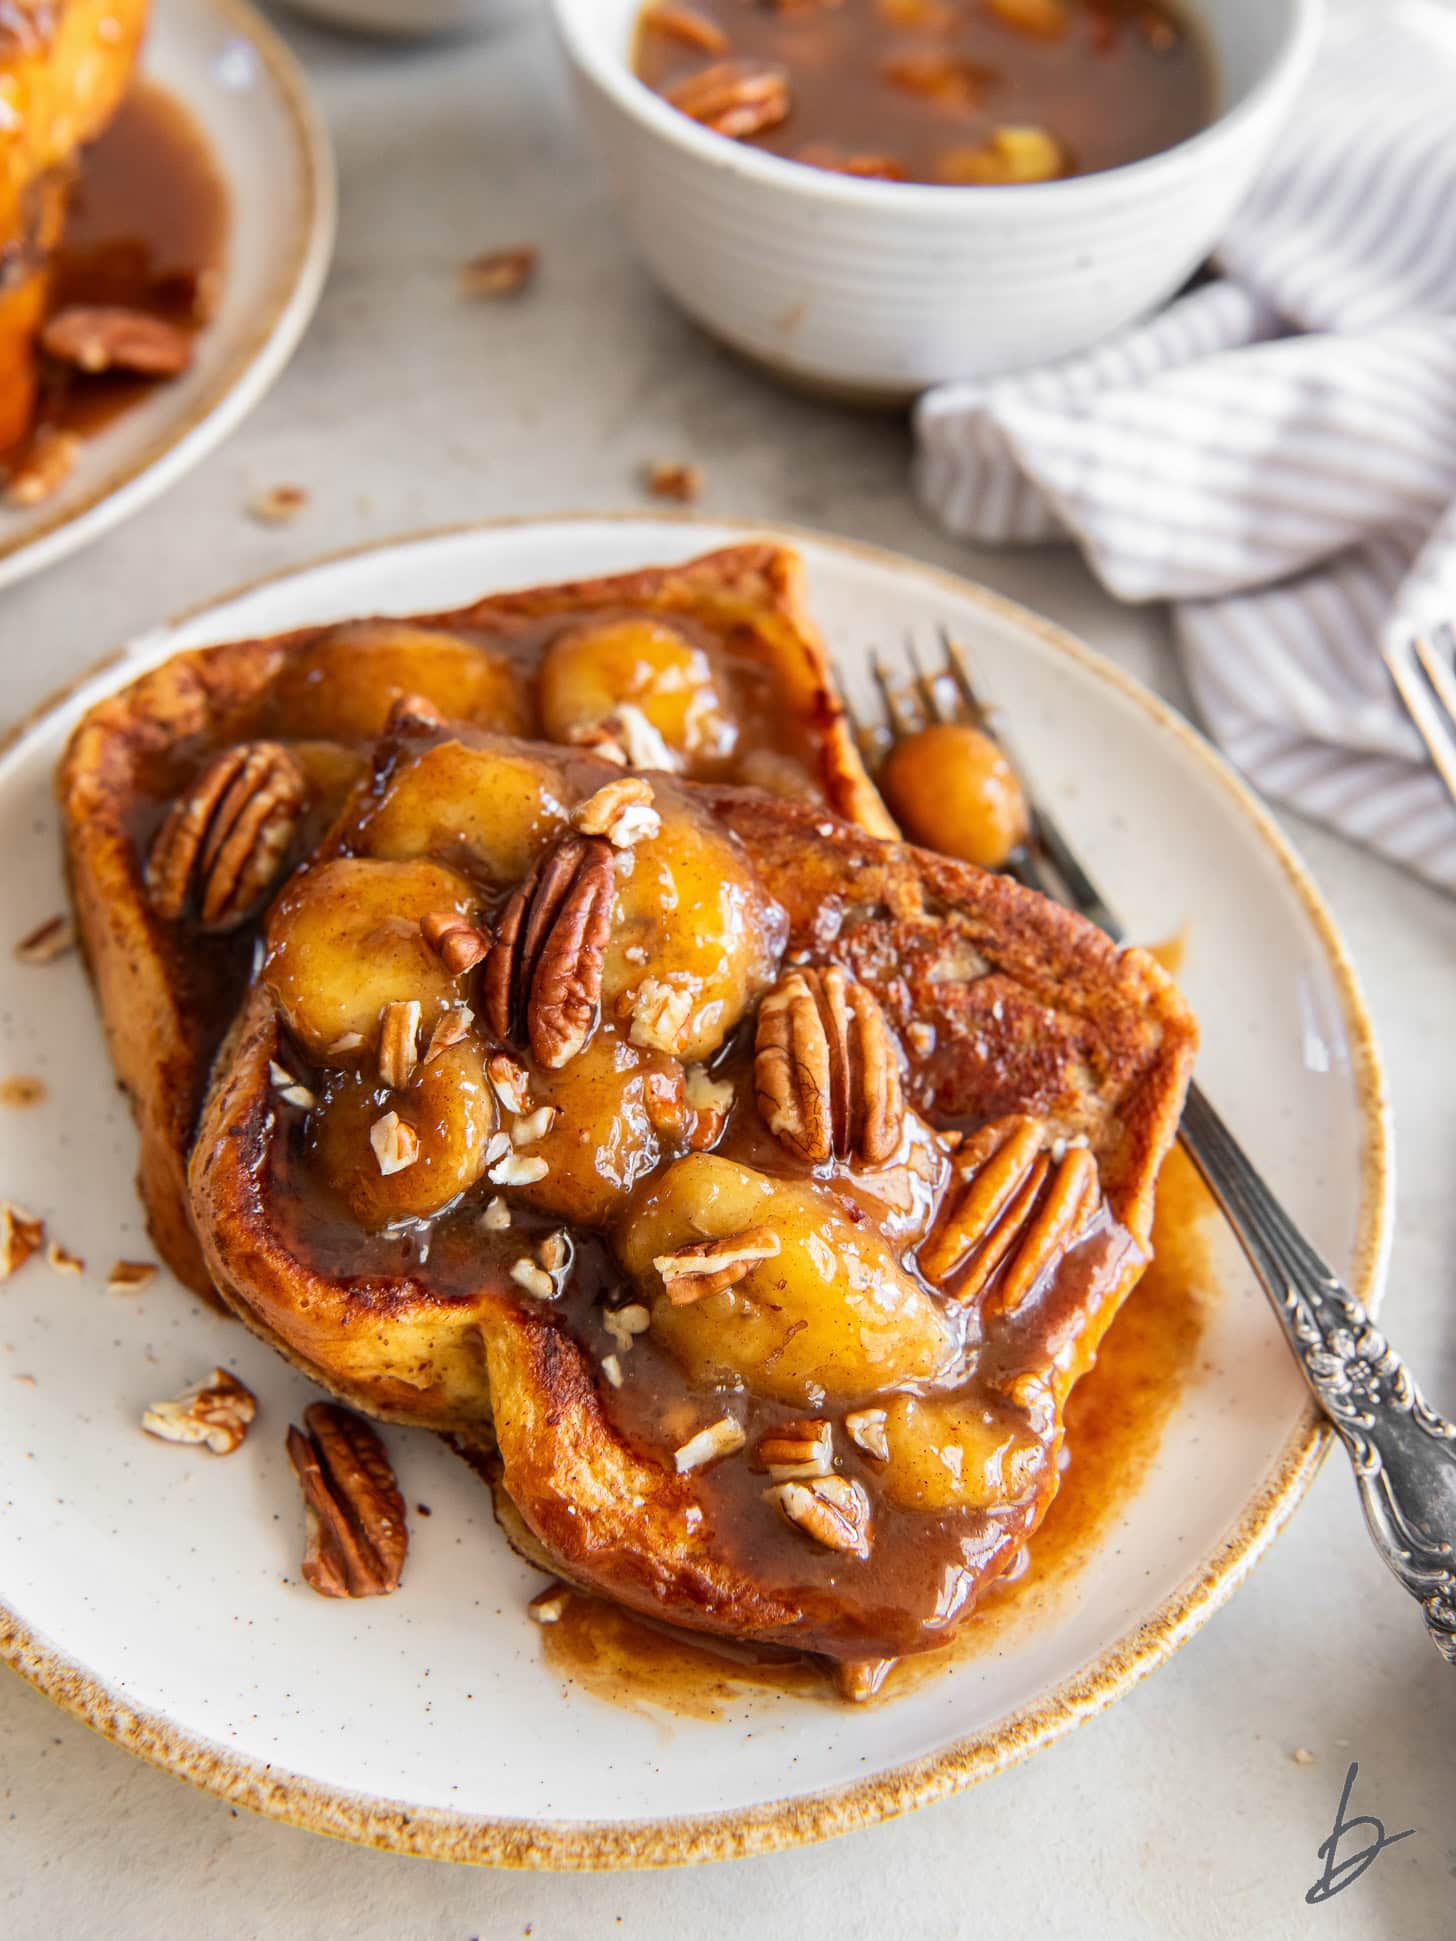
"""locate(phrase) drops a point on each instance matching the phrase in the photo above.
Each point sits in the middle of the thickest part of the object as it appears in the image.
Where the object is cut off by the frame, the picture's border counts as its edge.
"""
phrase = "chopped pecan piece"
(451, 1028)
(948, 80)
(216, 1412)
(130, 1276)
(542, 983)
(621, 811)
(1011, 1204)
(843, 161)
(510, 1081)
(685, 24)
(223, 843)
(107, 337)
(794, 1451)
(399, 1043)
(458, 945)
(1047, 19)
(721, 1438)
(736, 97)
(669, 478)
(47, 941)
(827, 1070)
(20, 1235)
(708, 1266)
(500, 272)
(278, 505)
(396, 1143)
(832, 1510)
(866, 1429)
(356, 1523)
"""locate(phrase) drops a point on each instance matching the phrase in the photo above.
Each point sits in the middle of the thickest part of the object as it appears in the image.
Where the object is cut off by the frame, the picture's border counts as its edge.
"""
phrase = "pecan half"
(737, 98)
(216, 1412)
(356, 1524)
(832, 1510)
(708, 1266)
(542, 982)
(223, 843)
(826, 1069)
(107, 337)
(1011, 1205)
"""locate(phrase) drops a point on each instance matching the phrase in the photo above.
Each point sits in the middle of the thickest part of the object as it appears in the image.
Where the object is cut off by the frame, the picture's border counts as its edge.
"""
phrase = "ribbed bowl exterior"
(884, 294)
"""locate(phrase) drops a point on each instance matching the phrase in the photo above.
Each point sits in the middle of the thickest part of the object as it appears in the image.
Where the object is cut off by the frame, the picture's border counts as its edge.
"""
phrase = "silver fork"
(1423, 667)
(1403, 1453)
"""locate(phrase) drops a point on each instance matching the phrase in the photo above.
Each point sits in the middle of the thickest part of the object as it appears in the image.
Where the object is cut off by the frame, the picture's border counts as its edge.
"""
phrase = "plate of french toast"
(573, 1295)
(166, 218)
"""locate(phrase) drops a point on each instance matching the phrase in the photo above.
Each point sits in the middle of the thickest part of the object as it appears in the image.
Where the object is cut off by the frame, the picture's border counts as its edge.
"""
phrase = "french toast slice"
(712, 667)
(64, 67)
(757, 1187)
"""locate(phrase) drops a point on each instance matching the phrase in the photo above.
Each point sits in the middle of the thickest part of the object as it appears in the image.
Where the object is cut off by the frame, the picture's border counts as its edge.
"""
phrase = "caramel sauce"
(1116, 1419)
(909, 83)
(147, 229)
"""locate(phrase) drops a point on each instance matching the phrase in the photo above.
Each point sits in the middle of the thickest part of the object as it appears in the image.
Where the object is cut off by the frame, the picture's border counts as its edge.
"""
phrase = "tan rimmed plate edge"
(304, 257)
(581, 1846)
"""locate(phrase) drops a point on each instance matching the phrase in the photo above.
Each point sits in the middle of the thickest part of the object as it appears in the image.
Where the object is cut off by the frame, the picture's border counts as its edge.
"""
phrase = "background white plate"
(155, 1590)
(249, 97)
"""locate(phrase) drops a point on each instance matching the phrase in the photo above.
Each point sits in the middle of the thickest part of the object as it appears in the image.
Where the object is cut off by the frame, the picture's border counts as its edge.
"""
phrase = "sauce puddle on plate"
(147, 229)
(1116, 1418)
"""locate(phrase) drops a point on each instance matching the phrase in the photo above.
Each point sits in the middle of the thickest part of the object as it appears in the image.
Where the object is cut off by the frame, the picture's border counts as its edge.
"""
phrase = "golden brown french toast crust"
(893, 1397)
(168, 993)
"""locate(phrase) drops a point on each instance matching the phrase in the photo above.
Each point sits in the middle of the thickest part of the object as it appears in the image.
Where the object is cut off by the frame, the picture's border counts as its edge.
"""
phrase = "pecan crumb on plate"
(500, 272)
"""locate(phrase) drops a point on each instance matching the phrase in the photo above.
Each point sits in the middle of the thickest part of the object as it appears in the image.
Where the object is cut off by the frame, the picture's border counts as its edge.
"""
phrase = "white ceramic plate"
(246, 91)
(154, 1589)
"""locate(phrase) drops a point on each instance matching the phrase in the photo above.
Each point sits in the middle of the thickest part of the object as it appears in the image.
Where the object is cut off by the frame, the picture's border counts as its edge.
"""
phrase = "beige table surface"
(1181, 1811)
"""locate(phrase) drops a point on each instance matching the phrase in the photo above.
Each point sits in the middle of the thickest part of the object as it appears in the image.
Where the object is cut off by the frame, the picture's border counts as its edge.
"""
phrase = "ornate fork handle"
(1404, 1454)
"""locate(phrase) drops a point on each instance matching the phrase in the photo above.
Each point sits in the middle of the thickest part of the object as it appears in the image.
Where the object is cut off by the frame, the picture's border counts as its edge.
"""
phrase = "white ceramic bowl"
(880, 288)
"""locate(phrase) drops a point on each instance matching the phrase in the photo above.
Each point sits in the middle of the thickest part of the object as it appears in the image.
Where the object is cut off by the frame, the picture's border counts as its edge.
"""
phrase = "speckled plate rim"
(580, 1846)
(183, 440)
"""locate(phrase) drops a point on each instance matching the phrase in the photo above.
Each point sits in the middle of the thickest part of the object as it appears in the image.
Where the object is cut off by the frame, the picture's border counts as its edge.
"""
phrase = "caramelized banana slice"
(447, 1113)
(343, 685)
(827, 1315)
(593, 670)
(344, 941)
(494, 808)
(694, 939)
(956, 1454)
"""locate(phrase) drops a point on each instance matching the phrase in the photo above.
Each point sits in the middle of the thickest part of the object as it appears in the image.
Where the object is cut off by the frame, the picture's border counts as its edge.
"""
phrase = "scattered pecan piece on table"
(223, 842)
(21, 1234)
(106, 337)
(216, 1412)
(500, 272)
(49, 940)
(739, 97)
(542, 983)
(826, 1069)
(357, 1533)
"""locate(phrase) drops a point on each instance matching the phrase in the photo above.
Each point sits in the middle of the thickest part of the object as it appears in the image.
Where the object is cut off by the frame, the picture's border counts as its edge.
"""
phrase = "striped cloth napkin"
(1276, 451)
